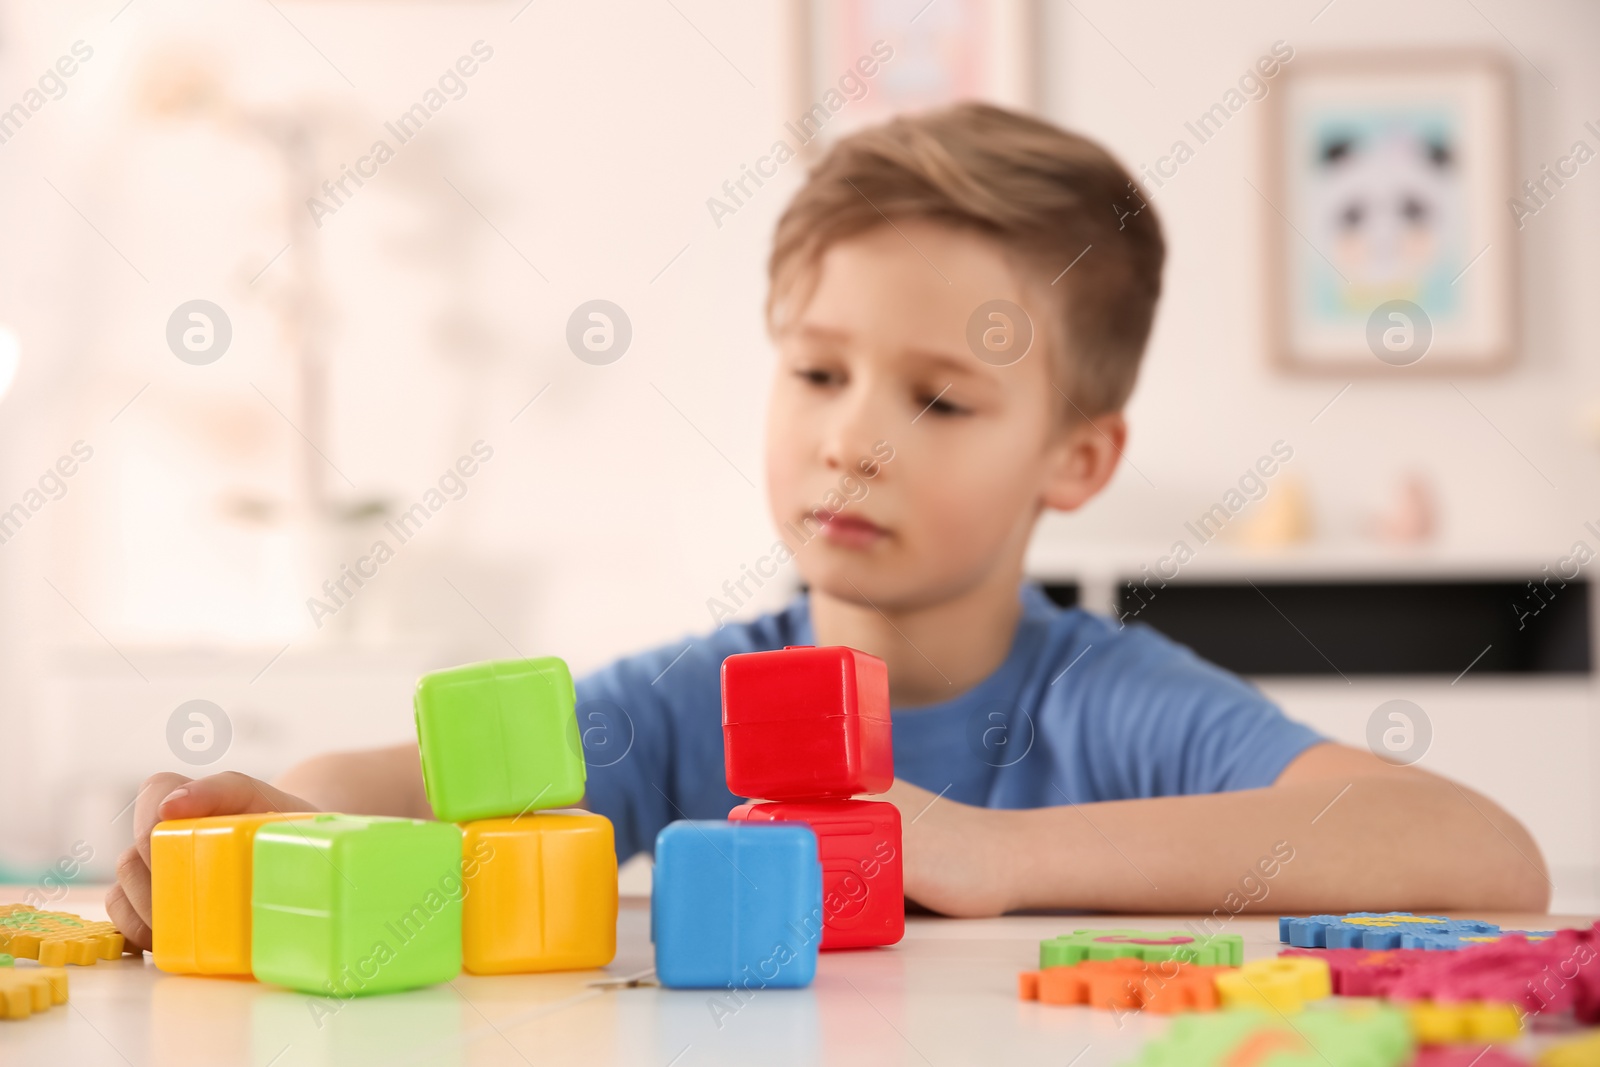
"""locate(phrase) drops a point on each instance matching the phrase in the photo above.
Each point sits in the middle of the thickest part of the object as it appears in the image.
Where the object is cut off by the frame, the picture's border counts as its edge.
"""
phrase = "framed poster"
(920, 53)
(1389, 243)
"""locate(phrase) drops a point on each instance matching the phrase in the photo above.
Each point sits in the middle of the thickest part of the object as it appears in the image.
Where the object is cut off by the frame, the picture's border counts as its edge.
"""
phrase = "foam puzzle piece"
(1164, 987)
(1362, 972)
(541, 893)
(1367, 1035)
(200, 892)
(25, 990)
(1219, 950)
(805, 723)
(1466, 1056)
(1550, 976)
(7, 960)
(1438, 1024)
(1372, 929)
(1453, 941)
(1284, 984)
(1583, 1052)
(499, 739)
(55, 938)
(863, 888)
(345, 905)
(1557, 975)
(736, 905)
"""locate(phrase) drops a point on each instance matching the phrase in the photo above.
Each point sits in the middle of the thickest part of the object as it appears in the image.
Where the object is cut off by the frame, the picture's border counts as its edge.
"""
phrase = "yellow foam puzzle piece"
(55, 938)
(1283, 984)
(25, 990)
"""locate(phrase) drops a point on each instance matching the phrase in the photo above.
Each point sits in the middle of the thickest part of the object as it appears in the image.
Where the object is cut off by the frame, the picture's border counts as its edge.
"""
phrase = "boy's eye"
(939, 404)
(817, 376)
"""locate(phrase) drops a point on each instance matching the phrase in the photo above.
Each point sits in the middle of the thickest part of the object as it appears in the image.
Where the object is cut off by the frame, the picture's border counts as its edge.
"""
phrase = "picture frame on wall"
(859, 62)
(1389, 240)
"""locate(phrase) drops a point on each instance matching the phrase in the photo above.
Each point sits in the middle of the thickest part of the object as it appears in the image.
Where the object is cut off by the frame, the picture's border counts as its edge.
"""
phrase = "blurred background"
(241, 344)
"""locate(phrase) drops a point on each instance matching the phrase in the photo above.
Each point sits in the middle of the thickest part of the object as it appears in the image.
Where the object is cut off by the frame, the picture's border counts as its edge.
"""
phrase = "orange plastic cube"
(200, 891)
(541, 893)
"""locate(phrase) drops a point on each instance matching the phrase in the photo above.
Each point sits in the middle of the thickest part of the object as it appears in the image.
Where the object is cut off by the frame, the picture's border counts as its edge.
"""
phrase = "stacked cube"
(344, 905)
(746, 904)
(806, 729)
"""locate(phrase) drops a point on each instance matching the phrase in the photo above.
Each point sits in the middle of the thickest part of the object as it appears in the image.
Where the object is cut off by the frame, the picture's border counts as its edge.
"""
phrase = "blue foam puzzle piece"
(736, 903)
(1387, 929)
(1453, 940)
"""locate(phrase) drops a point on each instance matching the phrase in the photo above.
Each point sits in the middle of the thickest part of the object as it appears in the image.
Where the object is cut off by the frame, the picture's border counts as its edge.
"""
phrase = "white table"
(947, 994)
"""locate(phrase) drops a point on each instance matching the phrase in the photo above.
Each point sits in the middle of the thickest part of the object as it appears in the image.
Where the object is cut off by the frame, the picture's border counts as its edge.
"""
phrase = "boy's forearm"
(1379, 843)
(379, 781)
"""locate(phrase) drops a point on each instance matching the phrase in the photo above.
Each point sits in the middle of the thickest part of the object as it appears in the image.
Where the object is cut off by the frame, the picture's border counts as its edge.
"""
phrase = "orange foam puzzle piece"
(1165, 986)
(56, 937)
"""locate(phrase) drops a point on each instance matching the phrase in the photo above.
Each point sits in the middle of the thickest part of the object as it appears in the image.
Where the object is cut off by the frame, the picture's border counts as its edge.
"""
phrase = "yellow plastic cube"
(541, 893)
(1284, 984)
(200, 892)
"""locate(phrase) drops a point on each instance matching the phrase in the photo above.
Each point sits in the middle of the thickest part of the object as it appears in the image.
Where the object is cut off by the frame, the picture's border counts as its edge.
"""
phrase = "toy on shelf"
(200, 892)
(345, 905)
(541, 893)
(499, 739)
(863, 890)
(736, 905)
(25, 990)
(806, 723)
(56, 937)
(1282, 985)
(1367, 1035)
(1164, 987)
(1368, 929)
(1225, 950)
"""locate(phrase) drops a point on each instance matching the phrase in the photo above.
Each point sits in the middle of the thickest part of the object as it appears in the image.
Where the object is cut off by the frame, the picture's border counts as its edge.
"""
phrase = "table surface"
(945, 995)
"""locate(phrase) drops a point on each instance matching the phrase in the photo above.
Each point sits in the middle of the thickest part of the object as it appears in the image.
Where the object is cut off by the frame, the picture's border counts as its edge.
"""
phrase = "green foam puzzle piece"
(499, 739)
(1154, 946)
(7, 960)
(1365, 1035)
(346, 904)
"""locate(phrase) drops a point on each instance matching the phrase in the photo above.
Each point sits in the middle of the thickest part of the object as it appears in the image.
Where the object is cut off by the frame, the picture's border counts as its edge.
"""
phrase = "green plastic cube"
(345, 904)
(499, 739)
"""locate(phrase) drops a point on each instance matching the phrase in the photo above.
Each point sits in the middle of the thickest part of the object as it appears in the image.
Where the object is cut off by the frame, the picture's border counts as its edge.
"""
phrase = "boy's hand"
(956, 857)
(174, 796)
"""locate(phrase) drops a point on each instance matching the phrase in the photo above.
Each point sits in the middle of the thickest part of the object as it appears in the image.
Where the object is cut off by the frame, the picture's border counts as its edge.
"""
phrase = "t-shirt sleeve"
(1164, 722)
(626, 732)
(651, 730)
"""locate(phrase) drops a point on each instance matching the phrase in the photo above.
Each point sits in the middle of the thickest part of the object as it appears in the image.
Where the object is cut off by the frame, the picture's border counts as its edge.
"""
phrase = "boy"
(1045, 758)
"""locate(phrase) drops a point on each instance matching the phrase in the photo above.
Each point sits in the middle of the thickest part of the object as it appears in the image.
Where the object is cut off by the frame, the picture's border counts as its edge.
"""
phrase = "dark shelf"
(1372, 627)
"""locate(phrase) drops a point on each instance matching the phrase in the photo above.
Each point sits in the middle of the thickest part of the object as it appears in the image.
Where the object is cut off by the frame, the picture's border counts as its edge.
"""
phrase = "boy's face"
(879, 360)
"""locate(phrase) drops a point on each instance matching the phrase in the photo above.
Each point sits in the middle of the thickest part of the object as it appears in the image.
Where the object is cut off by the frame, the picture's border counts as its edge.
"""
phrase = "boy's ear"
(1083, 459)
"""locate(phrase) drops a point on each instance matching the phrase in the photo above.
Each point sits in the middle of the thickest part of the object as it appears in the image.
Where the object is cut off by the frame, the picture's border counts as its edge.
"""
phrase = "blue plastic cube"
(736, 904)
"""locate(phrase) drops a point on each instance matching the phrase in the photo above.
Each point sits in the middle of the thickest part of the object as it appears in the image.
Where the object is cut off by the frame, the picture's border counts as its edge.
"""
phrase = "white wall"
(606, 519)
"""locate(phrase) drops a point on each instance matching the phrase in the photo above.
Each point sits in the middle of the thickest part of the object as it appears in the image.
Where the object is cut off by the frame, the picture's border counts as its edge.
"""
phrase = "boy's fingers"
(146, 808)
(128, 902)
(228, 793)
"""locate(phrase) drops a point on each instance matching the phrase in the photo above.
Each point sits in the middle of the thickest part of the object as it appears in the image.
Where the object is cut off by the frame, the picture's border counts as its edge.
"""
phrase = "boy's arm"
(1340, 830)
(377, 781)
(382, 781)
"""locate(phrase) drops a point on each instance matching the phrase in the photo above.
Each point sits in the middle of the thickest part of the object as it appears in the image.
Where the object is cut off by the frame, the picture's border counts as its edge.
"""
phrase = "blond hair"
(1044, 194)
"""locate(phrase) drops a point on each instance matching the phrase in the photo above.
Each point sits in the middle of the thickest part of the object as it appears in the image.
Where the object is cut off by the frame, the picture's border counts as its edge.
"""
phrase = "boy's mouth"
(849, 531)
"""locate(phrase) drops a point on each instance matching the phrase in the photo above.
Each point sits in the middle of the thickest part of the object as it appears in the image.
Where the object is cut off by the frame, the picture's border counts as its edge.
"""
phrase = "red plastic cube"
(863, 888)
(806, 723)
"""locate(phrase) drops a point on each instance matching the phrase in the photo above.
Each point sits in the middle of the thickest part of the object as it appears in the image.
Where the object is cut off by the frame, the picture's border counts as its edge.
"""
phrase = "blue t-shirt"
(1080, 711)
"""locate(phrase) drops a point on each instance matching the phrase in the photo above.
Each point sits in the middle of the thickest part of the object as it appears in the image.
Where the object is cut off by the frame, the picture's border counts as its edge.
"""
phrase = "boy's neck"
(935, 652)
